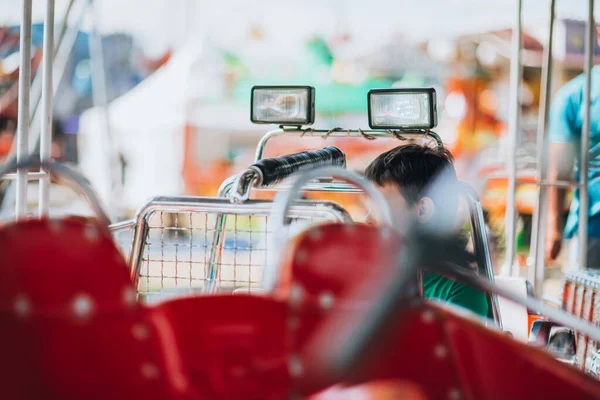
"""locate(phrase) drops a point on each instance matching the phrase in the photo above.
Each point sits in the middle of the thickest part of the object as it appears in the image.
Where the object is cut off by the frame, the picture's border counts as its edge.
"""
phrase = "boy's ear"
(425, 209)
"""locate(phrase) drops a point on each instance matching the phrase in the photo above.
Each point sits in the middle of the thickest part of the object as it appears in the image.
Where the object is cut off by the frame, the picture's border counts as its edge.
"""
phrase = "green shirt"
(441, 288)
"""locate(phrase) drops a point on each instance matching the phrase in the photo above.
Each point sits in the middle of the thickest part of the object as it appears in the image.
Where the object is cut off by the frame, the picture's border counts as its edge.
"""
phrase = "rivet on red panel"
(293, 323)
(349, 228)
(83, 305)
(295, 366)
(129, 296)
(296, 294)
(149, 371)
(441, 351)
(301, 256)
(315, 234)
(91, 233)
(22, 306)
(56, 225)
(326, 300)
(140, 331)
(454, 394)
(428, 316)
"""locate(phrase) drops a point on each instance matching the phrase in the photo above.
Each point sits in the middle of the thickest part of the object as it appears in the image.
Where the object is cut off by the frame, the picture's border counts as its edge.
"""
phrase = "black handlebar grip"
(275, 170)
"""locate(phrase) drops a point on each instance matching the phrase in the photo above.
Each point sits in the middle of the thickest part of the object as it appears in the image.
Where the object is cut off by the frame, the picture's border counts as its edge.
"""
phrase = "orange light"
(488, 101)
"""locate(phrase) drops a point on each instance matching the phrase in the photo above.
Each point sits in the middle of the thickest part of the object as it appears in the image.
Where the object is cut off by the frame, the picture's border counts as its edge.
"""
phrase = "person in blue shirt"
(565, 127)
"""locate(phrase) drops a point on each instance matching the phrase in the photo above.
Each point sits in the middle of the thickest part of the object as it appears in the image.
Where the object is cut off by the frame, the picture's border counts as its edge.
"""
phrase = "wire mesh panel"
(177, 247)
(580, 297)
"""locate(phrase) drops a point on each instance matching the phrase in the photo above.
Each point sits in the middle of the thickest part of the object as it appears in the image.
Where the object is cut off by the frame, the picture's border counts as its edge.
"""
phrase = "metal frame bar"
(480, 243)
(536, 271)
(585, 137)
(220, 226)
(393, 299)
(477, 222)
(23, 117)
(476, 218)
(513, 133)
(531, 303)
(64, 46)
(227, 186)
(521, 180)
(47, 108)
(216, 250)
(55, 61)
(123, 225)
(36, 87)
(339, 132)
(537, 251)
(66, 175)
(217, 206)
(32, 176)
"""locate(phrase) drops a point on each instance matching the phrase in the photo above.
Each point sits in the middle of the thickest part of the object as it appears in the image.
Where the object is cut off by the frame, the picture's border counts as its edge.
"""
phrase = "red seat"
(323, 263)
(334, 274)
(71, 329)
(448, 356)
(231, 347)
(328, 259)
(71, 324)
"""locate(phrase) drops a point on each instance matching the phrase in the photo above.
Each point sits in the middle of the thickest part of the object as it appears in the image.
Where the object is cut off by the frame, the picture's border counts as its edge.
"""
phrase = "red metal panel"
(425, 345)
(414, 350)
(231, 347)
(332, 269)
(328, 259)
(568, 295)
(497, 367)
(70, 311)
(583, 341)
(71, 329)
(579, 295)
(592, 346)
(581, 287)
(448, 356)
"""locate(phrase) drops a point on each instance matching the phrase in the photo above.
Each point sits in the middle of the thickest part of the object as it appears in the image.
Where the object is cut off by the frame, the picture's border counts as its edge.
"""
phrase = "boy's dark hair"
(412, 167)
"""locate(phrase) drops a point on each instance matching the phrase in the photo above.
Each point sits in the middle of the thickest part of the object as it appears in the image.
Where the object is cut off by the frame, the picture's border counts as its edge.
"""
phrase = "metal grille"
(184, 246)
(177, 248)
(580, 298)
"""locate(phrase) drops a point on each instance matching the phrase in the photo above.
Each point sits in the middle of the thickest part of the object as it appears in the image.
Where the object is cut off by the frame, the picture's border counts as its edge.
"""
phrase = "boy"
(402, 175)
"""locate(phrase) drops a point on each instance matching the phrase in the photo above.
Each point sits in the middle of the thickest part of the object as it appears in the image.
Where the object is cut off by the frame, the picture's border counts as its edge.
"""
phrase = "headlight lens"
(402, 108)
(283, 105)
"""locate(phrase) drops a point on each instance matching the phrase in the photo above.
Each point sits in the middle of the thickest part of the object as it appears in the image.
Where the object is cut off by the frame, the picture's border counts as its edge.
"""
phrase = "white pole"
(590, 40)
(64, 39)
(100, 99)
(23, 118)
(47, 107)
(513, 132)
(536, 270)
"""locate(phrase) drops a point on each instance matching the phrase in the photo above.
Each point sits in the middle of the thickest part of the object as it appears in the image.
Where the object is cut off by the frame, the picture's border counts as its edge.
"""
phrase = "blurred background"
(173, 114)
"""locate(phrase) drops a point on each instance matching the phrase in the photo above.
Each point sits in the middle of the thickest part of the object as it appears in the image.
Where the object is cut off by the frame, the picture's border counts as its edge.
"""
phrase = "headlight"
(402, 108)
(284, 105)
